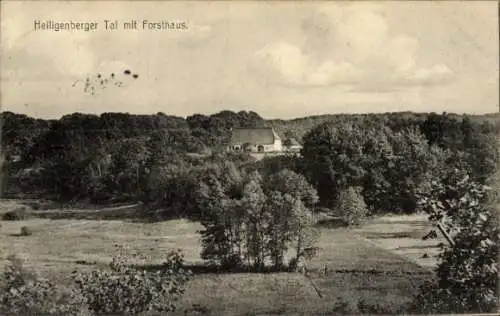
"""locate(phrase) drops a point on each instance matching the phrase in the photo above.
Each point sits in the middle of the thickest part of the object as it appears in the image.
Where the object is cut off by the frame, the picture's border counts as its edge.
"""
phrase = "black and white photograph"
(249, 158)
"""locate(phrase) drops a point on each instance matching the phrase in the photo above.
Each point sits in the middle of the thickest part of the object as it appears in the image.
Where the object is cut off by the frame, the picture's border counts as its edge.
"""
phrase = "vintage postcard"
(249, 157)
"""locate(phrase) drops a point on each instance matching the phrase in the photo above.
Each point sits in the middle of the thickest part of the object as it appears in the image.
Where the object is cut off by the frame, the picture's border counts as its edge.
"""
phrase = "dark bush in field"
(25, 231)
(18, 214)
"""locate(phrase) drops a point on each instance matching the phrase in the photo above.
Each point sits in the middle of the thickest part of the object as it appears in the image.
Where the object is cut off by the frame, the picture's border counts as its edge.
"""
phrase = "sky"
(279, 59)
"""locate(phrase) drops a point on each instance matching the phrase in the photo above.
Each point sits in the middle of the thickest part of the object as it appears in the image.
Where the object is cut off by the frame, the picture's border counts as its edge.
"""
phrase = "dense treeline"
(83, 157)
(19, 132)
(392, 162)
(299, 127)
(104, 157)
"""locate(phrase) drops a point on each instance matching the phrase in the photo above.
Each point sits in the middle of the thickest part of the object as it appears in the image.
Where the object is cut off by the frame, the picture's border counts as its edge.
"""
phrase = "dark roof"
(260, 136)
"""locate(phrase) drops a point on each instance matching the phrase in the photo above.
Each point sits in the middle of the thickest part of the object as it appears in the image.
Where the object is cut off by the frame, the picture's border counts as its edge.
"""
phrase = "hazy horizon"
(263, 117)
(282, 60)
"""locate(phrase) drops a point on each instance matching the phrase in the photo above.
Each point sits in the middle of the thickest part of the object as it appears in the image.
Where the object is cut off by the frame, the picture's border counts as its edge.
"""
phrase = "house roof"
(260, 136)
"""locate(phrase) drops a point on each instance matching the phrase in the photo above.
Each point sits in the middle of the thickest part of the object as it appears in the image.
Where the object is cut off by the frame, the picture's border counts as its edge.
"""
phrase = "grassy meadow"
(362, 263)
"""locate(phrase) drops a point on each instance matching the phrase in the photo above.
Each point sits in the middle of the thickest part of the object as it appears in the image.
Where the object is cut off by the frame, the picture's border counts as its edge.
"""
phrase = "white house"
(261, 139)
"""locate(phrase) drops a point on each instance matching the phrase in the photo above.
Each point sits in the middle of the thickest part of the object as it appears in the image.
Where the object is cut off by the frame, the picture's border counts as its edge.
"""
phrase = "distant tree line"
(106, 157)
(118, 156)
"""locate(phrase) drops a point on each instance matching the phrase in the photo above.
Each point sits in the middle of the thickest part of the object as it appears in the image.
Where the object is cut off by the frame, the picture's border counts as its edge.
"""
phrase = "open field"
(358, 268)
(402, 235)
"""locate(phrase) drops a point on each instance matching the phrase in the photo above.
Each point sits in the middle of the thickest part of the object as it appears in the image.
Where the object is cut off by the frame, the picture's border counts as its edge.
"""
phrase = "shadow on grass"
(331, 223)
(136, 213)
(213, 269)
(272, 312)
(418, 247)
(197, 309)
(18, 235)
(381, 235)
(42, 205)
(313, 272)
(414, 223)
(372, 272)
(86, 263)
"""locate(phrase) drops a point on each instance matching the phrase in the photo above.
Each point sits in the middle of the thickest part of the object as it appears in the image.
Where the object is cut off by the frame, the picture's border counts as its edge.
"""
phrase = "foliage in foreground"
(124, 290)
(467, 276)
(23, 293)
(128, 291)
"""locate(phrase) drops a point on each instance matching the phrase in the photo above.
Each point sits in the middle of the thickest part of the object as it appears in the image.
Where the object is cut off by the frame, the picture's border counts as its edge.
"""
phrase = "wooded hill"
(103, 157)
(20, 132)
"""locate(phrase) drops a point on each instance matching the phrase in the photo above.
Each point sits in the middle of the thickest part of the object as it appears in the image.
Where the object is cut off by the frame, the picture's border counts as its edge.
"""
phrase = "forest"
(155, 158)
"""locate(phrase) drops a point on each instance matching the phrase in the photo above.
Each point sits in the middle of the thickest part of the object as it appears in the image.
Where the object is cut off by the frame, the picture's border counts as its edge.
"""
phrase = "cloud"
(437, 74)
(56, 54)
(49, 55)
(42, 55)
(294, 67)
(345, 46)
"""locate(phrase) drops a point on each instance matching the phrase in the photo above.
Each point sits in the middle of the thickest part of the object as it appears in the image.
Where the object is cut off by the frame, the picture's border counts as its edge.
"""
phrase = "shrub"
(23, 293)
(126, 290)
(25, 231)
(352, 208)
(18, 214)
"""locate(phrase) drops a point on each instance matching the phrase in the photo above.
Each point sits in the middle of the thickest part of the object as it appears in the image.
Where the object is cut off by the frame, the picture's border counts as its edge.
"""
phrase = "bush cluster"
(129, 291)
(123, 290)
(18, 214)
(25, 231)
(23, 293)
(352, 208)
